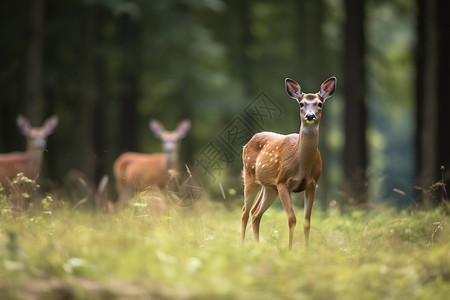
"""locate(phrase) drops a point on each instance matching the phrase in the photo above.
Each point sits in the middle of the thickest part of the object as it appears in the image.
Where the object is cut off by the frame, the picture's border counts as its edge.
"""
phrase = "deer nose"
(39, 143)
(310, 117)
(169, 147)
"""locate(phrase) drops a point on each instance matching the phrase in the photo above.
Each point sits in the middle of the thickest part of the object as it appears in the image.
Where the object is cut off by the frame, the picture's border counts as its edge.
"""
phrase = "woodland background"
(106, 67)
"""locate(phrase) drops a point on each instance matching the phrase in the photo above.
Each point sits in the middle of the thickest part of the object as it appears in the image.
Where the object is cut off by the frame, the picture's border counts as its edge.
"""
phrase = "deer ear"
(157, 128)
(183, 128)
(24, 124)
(293, 89)
(327, 88)
(50, 124)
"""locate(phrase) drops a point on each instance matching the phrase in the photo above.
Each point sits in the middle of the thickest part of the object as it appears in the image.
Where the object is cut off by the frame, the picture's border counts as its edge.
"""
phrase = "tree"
(355, 156)
(33, 81)
(85, 106)
(432, 90)
(443, 85)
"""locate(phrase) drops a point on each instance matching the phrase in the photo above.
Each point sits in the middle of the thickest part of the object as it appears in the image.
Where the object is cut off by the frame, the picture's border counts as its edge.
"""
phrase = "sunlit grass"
(196, 253)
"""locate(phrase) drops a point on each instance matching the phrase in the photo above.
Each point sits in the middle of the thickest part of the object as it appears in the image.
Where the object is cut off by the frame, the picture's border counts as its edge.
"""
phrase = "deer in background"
(276, 164)
(136, 172)
(30, 162)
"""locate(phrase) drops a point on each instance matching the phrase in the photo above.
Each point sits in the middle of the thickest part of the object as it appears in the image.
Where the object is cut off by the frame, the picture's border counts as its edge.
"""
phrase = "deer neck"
(307, 144)
(35, 157)
(172, 161)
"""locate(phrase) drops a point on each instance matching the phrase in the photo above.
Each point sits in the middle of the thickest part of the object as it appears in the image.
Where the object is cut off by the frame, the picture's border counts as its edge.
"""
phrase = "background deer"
(30, 162)
(135, 172)
(279, 164)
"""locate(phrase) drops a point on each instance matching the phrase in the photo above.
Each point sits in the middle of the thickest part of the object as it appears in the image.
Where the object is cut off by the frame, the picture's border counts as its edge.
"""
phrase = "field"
(195, 253)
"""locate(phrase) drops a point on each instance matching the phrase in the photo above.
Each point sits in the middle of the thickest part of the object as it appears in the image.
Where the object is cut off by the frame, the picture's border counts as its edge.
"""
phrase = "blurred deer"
(276, 164)
(30, 162)
(137, 172)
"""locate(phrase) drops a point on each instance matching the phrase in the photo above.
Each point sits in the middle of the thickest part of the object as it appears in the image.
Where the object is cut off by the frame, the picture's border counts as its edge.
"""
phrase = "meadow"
(66, 252)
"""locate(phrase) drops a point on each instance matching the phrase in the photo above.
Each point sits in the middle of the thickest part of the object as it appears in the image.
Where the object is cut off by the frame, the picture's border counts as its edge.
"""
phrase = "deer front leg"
(285, 197)
(310, 193)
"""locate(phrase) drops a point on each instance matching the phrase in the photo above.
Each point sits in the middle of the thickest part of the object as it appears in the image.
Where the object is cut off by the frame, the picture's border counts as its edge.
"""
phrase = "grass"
(196, 254)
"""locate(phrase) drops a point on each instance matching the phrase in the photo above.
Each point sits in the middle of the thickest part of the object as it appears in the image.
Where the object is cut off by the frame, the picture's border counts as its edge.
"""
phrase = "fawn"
(136, 172)
(276, 164)
(29, 162)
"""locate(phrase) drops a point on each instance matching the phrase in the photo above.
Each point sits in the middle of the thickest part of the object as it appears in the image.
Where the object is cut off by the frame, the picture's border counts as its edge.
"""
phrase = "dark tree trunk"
(426, 101)
(245, 43)
(310, 43)
(99, 132)
(432, 94)
(129, 96)
(85, 159)
(443, 86)
(33, 75)
(355, 154)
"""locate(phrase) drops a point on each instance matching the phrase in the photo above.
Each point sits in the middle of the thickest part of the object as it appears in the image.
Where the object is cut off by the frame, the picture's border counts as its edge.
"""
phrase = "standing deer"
(30, 162)
(137, 172)
(282, 164)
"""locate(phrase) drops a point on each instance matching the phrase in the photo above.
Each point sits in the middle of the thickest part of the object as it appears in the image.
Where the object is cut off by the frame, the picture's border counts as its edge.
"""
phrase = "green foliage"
(196, 253)
(204, 60)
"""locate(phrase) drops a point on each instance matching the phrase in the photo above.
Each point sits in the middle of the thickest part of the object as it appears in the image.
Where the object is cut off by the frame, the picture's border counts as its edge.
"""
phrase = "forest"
(107, 67)
(94, 84)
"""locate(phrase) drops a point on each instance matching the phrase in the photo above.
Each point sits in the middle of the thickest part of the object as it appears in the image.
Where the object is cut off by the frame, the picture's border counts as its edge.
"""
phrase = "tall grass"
(196, 253)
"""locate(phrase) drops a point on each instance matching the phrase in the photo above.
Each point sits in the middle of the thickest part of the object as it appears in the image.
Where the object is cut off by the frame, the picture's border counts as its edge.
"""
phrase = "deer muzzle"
(310, 118)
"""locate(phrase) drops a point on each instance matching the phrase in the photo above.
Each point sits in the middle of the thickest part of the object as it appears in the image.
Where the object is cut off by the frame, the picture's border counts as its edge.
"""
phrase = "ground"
(195, 253)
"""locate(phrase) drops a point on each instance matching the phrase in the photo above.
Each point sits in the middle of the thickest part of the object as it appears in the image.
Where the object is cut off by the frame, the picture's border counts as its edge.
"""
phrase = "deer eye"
(301, 104)
(320, 104)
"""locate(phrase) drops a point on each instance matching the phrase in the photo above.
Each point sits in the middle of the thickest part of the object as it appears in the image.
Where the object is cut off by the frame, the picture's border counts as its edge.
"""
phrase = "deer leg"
(265, 200)
(285, 198)
(257, 205)
(125, 194)
(249, 197)
(309, 201)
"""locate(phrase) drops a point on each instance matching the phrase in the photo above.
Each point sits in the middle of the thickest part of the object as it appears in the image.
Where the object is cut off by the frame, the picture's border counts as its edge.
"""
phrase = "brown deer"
(30, 162)
(279, 164)
(136, 172)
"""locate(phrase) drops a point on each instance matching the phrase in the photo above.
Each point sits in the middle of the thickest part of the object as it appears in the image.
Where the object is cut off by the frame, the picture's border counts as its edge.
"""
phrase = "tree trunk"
(443, 86)
(355, 155)
(128, 119)
(245, 43)
(426, 95)
(33, 75)
(85, 160)
(432, 95)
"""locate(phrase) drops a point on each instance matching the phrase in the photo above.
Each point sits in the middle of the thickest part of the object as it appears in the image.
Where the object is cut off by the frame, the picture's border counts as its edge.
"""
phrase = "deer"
(29, 162)
(277, 165)
(137, 172)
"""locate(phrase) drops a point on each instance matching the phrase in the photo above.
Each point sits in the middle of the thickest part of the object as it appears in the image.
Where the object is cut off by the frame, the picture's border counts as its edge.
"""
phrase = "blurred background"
(107, 67)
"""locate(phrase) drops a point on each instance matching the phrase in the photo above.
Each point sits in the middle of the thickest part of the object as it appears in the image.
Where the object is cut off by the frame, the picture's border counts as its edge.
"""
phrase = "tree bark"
(85, 159)
(432, 94)
(443, 86)
(426, 96)
(355, 154)
(245, 43)
(130, 33)
(33, 75)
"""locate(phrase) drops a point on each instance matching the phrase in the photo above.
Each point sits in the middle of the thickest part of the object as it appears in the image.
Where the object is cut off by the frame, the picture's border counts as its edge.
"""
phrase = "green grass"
(197, 254)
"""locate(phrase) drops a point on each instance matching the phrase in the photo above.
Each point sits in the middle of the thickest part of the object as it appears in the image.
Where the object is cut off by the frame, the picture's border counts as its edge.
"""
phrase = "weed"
(362, 254)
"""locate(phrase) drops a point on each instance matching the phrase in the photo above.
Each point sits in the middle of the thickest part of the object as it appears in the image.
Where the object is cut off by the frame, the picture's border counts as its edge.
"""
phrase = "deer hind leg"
(250, 191)
(124, 195)
(265, 200)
